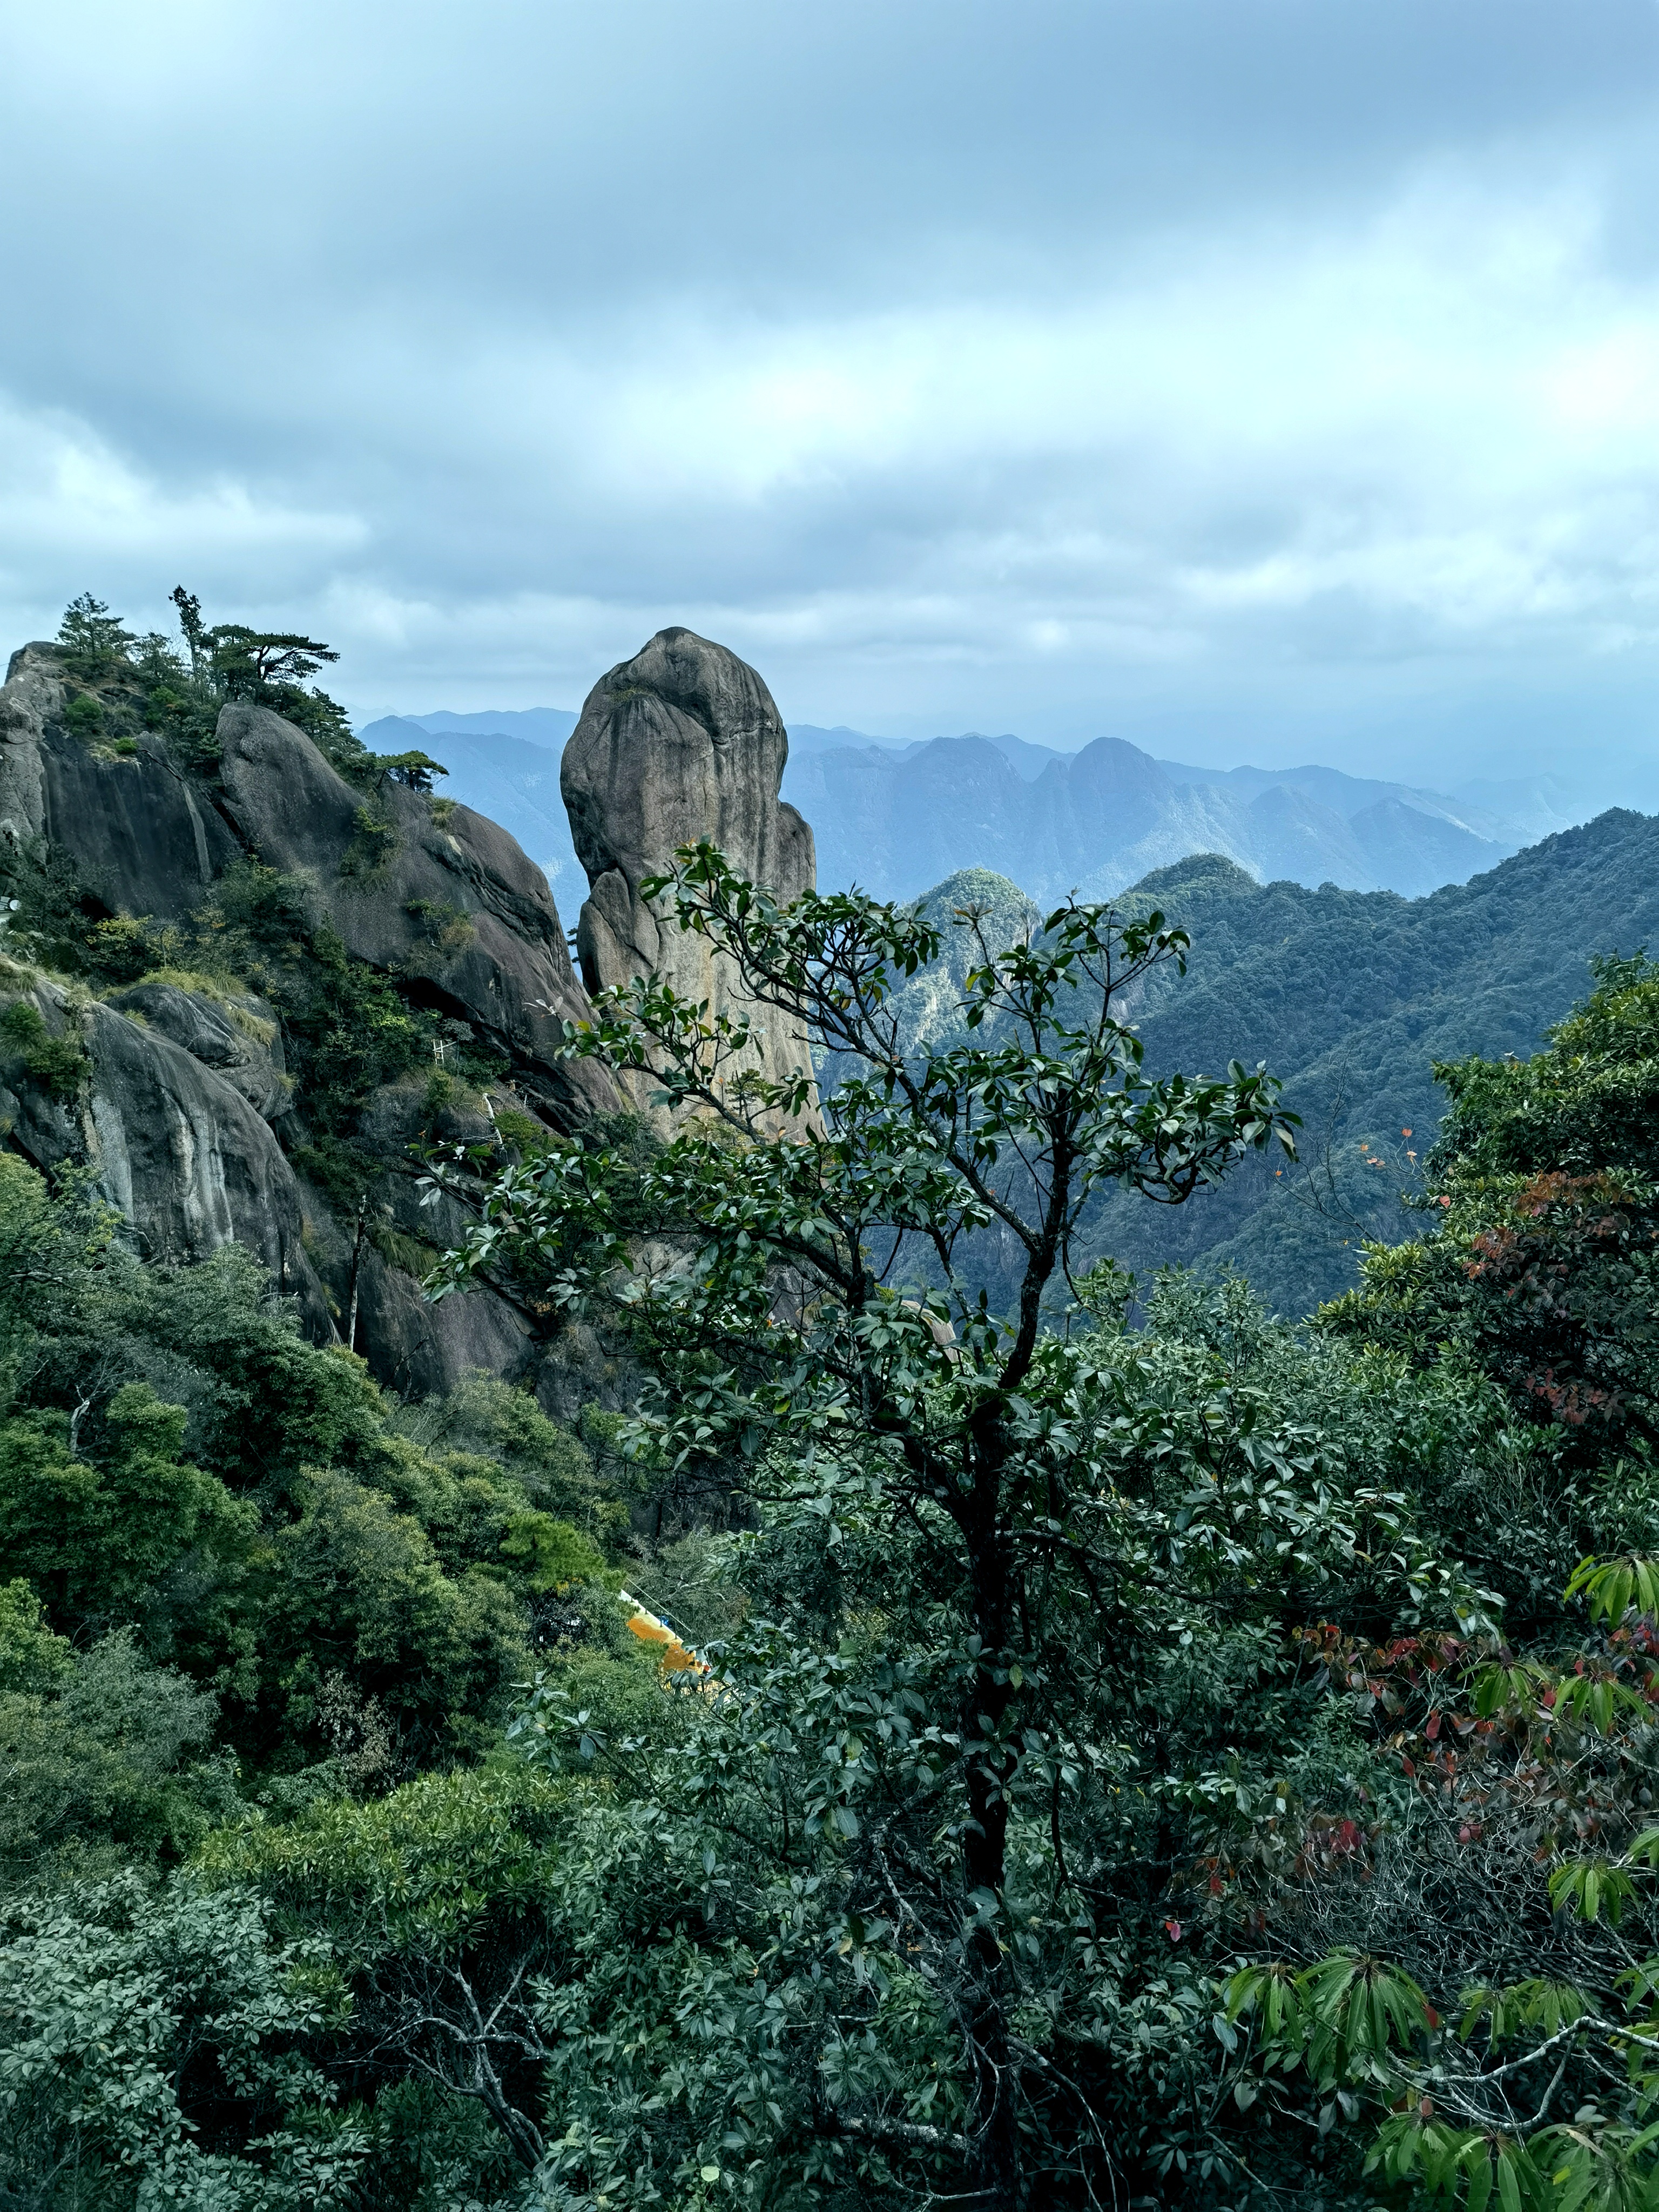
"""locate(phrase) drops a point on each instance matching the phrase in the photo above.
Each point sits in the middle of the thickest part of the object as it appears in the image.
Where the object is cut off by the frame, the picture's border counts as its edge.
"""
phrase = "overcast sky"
(1263, 379)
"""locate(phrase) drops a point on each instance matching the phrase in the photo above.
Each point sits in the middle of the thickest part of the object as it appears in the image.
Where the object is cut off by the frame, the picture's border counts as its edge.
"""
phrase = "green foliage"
(112, 1759)
(55, 1062)
(1610, 1587)
(348, 1029)
(155, 2048)
(273, 669)
(360, 1591)
(372, 846)
(866, 1418)
(84, 717)
(1134, 1751)
(358, 1585)
(95, 1535)
(666, 2000)
(1345, 2020)
(414, 770)
(147, 677)
(1542, 1267)
(484, 1419)
(93, 640)
(48, 920)
(32, 1659)
(1352, 998)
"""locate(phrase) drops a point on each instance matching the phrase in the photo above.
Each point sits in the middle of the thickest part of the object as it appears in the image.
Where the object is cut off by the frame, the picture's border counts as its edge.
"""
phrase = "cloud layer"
(1248, 382)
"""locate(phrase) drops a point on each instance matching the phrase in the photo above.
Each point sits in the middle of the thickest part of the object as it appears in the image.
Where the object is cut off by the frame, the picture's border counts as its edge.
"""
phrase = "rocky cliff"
(679, 743)
(245, 983)
(404, 939)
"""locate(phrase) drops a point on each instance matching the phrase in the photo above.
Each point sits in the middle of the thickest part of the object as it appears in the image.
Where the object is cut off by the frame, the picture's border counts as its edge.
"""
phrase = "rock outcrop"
(170, 1143)
(145, 836)
(679, 743)
(182, 1103)
(238, 1037)
(161, 1069)
(429, 891)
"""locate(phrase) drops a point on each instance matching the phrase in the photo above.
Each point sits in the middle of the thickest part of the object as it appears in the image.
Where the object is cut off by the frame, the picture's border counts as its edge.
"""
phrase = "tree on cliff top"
(92, 639)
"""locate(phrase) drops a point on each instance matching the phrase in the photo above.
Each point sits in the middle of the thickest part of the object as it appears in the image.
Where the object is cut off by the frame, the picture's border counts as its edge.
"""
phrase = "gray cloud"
(1268, 378)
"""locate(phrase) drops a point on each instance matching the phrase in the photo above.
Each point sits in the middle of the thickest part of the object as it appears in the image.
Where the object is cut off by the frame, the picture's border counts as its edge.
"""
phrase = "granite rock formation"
(444, 899)
(681, 742)
(183, 1107)
(172, 1144)
(200, 1117)
(144, 834)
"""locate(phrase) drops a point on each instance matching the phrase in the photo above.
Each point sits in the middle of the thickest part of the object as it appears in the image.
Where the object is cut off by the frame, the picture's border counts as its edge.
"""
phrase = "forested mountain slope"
(1350, 997)
(1095, 1783)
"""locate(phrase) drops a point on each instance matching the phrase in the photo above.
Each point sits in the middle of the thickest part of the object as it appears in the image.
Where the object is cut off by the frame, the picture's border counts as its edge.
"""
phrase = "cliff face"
(175, 1090)
(172, 1144)
(249, 982)
(431, 893)
(681, 742)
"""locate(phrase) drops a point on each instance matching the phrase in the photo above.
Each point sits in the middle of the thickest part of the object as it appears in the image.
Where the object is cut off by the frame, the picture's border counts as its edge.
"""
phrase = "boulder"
(680, 742)
(238, 1037)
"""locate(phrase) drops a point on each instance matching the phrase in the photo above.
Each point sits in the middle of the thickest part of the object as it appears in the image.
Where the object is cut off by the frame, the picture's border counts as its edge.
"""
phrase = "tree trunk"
(993, 2160)
(356, 1262)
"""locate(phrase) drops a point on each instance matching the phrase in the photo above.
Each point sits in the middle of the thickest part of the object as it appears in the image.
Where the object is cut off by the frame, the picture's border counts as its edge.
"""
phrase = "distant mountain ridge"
(895, 816)
(1350, 999)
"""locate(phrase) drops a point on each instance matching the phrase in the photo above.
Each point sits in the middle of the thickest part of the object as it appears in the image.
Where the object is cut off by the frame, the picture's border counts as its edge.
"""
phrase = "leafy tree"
(157, 2048)
(195, 634)
(360, 1591)
(95, 1535)
(1543, 1264)
(272, 668)
(108, 1758)
(262, 665)
(176, 1459)
(787, 1348)
(415, 770)
(93, 640)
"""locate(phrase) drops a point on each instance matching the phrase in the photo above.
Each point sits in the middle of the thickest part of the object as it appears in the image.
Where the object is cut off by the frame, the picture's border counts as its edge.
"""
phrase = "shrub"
(56, 1063)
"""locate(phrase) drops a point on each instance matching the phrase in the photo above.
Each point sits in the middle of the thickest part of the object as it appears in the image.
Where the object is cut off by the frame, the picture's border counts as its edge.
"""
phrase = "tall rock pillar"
(679, 743)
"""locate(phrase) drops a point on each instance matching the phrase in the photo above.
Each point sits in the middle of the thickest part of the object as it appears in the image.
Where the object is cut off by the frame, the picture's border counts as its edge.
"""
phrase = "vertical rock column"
(681, 742)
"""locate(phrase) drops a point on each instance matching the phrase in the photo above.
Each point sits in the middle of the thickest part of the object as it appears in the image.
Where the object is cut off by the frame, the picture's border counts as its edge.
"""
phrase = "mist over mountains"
(897, 819)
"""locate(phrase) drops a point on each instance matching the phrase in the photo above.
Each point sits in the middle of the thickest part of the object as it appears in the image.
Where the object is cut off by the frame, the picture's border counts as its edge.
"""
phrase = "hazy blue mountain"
(808, 738)
(513, 780)
(895, 819)
(895, 816)
(537, 726)
(1533, 806)
(1349, 991)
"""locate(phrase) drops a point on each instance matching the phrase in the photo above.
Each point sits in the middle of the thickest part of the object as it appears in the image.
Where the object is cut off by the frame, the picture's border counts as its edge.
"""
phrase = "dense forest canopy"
(1092, 1742)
